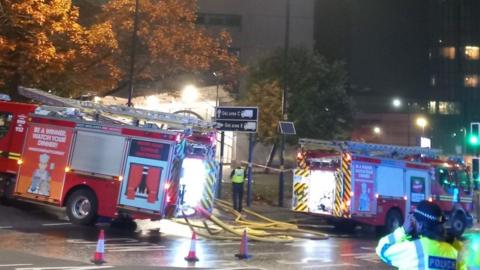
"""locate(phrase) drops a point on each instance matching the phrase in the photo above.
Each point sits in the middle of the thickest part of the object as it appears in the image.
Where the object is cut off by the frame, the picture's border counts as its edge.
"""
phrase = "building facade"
(424, 53)
(258, 26)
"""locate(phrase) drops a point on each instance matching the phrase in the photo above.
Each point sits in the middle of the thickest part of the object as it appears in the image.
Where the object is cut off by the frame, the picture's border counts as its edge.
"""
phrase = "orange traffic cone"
(243, 253)
(192, 256)
(98, 256)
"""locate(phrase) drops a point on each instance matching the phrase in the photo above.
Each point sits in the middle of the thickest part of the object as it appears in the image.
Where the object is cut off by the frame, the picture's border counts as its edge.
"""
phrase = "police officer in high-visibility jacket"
(419, 243)
(238, 176)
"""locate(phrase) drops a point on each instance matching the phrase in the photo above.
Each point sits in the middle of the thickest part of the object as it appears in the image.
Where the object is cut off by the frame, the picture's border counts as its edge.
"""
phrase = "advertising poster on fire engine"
(45, 156)
(363, 188)
(146, 169)
(417, 189)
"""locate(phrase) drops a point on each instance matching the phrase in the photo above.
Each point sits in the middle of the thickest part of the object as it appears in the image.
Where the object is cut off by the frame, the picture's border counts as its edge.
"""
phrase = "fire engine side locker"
(363, 186)
(97, 161)
(417, 181)
(146, 170)
(45, 156)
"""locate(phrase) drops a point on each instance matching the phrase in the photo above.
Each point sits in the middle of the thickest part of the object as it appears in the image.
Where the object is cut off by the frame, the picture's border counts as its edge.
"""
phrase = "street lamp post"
(281, 180)
(222, 142)
(132, 55)
(397, 103)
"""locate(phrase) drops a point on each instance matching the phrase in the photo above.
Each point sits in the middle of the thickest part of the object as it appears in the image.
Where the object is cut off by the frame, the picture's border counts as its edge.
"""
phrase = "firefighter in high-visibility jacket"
(238, 176)
(419, 243)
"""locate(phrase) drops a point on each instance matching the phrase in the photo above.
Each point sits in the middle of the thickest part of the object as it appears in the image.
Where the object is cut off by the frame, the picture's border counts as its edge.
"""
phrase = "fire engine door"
(417, 187)
(192, 181)
(321, 191)
(146, 171)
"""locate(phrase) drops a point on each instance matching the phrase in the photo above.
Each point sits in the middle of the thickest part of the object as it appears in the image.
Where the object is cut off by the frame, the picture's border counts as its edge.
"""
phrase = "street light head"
(152, 102)
(422, 122)
(397, 103)
(190, 94)
(377, 130)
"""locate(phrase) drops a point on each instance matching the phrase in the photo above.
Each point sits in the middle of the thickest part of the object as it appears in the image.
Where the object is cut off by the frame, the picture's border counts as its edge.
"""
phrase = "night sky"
(383, 42)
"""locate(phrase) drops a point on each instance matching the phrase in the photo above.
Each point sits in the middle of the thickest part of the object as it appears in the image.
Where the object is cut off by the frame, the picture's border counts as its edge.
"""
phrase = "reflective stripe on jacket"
(396, 249)
(238, 176)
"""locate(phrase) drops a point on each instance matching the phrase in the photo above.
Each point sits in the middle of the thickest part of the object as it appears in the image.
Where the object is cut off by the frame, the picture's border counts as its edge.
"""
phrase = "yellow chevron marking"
(301, 207)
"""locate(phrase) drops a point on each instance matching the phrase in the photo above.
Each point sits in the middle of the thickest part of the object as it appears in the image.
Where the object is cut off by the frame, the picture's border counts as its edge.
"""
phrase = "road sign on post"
(240, 119)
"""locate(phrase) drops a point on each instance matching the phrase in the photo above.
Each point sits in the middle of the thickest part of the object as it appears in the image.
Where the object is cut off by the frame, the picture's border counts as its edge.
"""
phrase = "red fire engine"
(378, 184)
(83, 156)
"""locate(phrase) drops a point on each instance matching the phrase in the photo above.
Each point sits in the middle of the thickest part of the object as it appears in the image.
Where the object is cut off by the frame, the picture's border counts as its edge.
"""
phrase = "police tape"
(266, 167)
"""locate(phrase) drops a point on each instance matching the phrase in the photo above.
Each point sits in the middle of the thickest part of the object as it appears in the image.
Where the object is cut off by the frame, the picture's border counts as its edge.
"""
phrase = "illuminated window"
(448, 52)
(445, 107)
(472, 52)
(433, 81)
(471, 81)
(432, 107)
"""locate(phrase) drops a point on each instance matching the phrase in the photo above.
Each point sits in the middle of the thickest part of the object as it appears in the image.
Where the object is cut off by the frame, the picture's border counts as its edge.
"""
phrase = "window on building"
(216, 20)
(445, 107)
(471, 80)
(5, 120)
(472, 52)
(448, 52)
(227, 20)
(433, 81)
(432, 107)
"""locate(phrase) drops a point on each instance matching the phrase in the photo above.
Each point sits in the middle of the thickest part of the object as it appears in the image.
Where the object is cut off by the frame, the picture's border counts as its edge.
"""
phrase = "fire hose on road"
(263, 229)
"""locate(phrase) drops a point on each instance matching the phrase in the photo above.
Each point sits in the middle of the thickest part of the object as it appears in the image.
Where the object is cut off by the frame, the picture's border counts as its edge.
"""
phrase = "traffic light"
(476, 172)
(474, 137)
(475, 168)
(473, 140)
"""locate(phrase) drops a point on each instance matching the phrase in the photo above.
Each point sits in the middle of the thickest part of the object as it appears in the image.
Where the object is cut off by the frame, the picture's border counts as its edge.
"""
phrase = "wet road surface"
(34, 237)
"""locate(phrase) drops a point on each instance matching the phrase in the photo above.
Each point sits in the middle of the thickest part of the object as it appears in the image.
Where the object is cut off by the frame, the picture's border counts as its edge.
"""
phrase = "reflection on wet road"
(163, 243)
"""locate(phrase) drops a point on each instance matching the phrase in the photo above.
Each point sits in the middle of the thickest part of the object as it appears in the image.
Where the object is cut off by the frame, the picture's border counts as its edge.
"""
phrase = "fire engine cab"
(378, 184)
(99, 160)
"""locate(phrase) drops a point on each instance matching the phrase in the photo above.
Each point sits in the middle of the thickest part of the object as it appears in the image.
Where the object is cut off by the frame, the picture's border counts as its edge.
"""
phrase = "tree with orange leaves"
(169, 41)
(43, 45)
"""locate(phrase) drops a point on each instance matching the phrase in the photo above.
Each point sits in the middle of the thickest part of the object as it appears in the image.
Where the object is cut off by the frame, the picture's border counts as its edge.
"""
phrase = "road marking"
(66, 268)
(6, 227)
(269, 253)
(57, 224)
(369, 257)
(139, 249)
(330, 265)
(224, 244)
(305, 261)
(354, 254)
(313, 245)
(18, 264)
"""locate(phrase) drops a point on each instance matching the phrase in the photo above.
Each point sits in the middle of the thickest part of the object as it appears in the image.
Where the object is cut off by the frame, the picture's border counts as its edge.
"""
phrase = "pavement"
(35, 237)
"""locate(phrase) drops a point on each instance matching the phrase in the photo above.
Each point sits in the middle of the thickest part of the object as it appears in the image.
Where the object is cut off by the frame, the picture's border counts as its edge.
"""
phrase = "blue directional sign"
(241, 119)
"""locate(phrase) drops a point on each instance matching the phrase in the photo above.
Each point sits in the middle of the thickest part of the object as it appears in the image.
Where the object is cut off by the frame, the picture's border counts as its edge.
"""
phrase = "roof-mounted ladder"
(167, 118)
(369, 148)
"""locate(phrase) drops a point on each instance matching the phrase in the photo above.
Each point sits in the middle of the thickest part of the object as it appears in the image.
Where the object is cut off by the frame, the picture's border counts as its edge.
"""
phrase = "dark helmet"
(428, 213)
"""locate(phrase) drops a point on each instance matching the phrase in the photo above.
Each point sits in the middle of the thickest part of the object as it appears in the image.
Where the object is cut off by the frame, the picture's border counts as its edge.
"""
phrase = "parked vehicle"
(378, 184)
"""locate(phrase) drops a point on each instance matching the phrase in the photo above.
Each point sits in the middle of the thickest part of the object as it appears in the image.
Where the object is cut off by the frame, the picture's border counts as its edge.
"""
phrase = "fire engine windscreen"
(321, 191)
(192, 181)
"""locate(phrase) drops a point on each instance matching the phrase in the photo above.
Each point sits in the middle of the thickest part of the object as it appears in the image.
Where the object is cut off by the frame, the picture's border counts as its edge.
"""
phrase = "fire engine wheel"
(458, 224)
(393, 220)
(82, 207)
